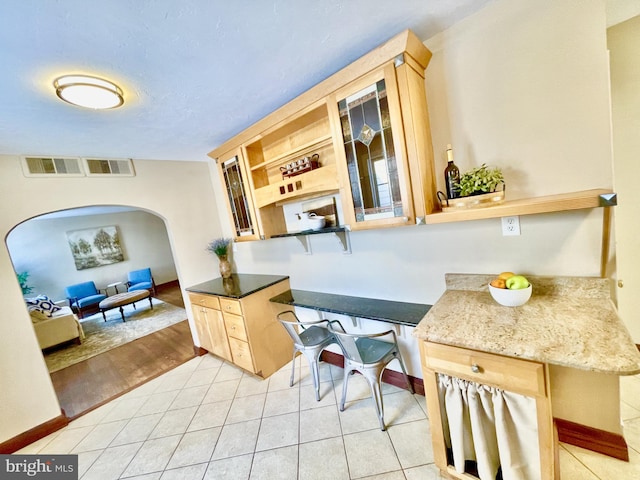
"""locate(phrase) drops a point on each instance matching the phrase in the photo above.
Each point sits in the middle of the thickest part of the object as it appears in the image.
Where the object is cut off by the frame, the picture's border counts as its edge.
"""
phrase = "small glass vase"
(225, 266)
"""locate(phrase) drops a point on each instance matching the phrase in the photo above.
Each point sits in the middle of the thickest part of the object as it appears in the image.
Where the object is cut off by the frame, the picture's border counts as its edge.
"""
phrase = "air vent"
(52, 166)
(105, 166)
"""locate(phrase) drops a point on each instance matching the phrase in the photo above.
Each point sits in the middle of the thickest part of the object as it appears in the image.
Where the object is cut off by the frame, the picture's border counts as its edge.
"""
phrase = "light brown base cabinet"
(244, 331)
(523, 377)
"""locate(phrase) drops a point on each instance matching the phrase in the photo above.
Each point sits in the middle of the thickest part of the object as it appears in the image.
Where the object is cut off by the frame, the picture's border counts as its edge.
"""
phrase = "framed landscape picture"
(95, 247)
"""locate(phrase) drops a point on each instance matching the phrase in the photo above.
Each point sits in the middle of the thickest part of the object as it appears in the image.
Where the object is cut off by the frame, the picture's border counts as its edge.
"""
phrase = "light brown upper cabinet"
(371, 152)
(291, 160)
(310, 148)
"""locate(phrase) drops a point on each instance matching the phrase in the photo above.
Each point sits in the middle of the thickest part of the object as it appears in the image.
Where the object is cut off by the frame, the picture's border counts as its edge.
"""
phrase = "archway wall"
(40, 247)
(181, 193)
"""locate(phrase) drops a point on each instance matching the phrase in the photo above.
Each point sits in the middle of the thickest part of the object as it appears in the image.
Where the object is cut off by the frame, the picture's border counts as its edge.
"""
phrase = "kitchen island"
(236, 322)
(558, 348)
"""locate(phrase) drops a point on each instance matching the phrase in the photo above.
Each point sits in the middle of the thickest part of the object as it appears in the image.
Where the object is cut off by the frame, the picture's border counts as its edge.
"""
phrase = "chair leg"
(345, 381)
(373, 378)
(293, 368)
(315, 371)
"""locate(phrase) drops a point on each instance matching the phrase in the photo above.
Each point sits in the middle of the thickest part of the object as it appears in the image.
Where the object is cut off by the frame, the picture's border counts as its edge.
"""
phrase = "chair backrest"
(348, 344)
(81, 290)
(291, 325)
(370, 345)
(138, 276)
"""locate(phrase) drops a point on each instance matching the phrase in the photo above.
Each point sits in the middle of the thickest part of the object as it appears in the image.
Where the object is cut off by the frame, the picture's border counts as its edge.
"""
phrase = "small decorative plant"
(22, 280)
(480, 180)
(219, 246)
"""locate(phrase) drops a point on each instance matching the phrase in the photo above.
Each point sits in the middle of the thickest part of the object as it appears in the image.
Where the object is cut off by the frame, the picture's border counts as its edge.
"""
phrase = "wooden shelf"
(528, 206)
(298, 152)
(320, 181)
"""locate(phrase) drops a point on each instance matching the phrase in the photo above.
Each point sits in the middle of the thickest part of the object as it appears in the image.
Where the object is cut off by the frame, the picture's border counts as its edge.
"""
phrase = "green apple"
(517, 282)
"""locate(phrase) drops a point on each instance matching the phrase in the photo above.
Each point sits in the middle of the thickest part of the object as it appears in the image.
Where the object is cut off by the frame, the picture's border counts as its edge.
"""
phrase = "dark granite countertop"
(374, 309)
(237, 286)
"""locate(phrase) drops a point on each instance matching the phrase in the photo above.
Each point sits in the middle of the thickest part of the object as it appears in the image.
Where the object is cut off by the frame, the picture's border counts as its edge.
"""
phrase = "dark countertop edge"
(310, 232)
(288, 298)
(201, 287)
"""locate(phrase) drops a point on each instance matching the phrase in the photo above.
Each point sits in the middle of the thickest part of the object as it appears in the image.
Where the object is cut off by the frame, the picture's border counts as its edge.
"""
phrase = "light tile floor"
(208, 420)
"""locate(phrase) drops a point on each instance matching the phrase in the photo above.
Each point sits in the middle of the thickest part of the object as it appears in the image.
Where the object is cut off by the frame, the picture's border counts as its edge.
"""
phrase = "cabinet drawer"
(520, 376)
(230, 306)
(235, 326)
(241, 354)
(208, 301)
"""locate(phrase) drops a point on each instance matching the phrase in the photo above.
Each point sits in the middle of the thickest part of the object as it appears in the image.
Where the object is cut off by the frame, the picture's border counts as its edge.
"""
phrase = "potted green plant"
(480, 180)
(220, 248)
(22, 280)
(478, 188)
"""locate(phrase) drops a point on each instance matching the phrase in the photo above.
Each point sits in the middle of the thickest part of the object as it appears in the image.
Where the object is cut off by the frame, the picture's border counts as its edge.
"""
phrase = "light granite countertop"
(569, 321)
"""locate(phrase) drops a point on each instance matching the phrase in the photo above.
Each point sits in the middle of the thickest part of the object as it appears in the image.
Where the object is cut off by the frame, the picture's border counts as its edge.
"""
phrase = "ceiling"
(194, 72)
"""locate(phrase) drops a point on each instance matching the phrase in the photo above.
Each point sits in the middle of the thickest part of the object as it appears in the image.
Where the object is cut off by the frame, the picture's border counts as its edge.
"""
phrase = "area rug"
(101, 336)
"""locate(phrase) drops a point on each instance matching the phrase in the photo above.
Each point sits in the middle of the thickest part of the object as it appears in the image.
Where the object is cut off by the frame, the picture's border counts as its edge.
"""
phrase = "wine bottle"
(451, 175)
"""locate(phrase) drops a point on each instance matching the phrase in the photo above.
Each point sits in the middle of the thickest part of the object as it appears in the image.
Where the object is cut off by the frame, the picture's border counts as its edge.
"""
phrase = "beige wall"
(179, 192)
(624, 45)
(521, 84)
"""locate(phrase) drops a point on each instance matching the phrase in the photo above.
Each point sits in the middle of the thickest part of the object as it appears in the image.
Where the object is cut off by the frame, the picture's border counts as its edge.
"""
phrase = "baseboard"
(169, 284)
(27, 438)
(594, 439)
(199, 351)
(389, 376)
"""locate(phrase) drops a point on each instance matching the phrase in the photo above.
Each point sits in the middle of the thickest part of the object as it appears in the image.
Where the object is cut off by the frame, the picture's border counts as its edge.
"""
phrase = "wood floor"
(89, 384)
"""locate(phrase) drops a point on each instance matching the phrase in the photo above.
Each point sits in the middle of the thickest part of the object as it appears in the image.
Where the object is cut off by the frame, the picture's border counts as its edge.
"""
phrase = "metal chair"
(309, 338)
(364, 353)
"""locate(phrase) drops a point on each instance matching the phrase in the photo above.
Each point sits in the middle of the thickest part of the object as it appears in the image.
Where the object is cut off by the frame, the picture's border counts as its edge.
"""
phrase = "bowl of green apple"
(510, 290)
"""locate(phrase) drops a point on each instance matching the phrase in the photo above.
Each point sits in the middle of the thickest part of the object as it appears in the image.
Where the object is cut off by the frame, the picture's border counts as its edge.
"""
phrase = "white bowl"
(511, 298)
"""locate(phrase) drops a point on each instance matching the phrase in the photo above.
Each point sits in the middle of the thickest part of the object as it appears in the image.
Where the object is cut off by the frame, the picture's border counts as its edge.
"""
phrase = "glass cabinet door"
(238, 200)
(373, 148)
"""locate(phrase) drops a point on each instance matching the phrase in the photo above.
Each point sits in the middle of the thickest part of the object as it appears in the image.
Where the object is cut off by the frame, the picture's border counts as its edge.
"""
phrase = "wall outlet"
(510, 226)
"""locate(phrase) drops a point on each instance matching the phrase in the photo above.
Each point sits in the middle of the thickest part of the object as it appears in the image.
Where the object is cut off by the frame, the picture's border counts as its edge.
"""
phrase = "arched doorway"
(40, 247)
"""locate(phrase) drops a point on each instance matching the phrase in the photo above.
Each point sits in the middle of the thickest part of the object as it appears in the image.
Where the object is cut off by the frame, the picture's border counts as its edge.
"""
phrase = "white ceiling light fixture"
(89, 92)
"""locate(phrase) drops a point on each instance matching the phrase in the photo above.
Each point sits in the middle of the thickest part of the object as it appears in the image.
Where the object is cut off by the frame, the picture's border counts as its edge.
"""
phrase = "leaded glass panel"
(371, 161)
(237, 197)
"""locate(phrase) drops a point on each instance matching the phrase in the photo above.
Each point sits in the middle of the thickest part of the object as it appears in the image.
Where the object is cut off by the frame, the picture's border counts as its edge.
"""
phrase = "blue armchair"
(141, 280)
(83, 297)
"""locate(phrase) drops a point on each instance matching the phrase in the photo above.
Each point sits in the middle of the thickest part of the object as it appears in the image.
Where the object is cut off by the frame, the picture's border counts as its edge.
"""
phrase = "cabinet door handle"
(475, 368)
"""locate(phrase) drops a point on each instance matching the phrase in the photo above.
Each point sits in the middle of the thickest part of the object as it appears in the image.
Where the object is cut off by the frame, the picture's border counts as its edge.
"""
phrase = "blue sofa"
(84, 297)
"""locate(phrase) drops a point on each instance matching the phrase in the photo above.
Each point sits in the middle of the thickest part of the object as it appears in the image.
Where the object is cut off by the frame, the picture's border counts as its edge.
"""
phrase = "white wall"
(40, 247)
(180, 193)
